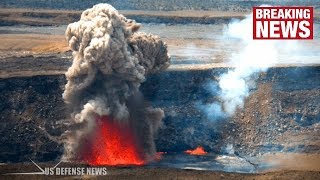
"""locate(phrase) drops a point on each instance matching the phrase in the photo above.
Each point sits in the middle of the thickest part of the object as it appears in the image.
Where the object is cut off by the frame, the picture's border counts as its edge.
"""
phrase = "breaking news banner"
(283, 22)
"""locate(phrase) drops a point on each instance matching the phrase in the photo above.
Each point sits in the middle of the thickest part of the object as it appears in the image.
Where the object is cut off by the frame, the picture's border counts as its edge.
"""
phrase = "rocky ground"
(154, 173)
(43, 17)
(276, 117)
(160, 5)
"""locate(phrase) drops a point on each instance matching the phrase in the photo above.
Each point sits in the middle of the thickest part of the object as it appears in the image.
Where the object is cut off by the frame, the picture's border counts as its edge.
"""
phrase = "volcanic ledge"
(281, 114)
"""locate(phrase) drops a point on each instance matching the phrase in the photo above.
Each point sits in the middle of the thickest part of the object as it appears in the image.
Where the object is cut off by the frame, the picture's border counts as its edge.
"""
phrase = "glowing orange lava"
(197, 151)
(159, 155)
(112, 144)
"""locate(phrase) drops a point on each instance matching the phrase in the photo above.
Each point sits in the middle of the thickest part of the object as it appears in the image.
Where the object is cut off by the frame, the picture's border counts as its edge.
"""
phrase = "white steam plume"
(255, 56)
(252, 58)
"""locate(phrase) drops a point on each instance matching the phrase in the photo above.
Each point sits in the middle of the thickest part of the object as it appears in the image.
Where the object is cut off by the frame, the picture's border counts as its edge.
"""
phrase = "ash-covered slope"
(32, 115)
(167, 5)
(281, 114)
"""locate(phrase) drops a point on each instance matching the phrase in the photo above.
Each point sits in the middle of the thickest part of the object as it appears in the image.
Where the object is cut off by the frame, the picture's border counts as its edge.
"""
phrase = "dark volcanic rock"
(281, 114)
(31, 108)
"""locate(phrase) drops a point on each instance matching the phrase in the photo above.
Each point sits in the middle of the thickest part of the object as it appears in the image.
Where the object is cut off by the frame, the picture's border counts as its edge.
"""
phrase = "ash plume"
(111, 60)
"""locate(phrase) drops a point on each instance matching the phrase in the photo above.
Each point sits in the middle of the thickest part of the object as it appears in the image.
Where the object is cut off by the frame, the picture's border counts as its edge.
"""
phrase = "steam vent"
(156, 88)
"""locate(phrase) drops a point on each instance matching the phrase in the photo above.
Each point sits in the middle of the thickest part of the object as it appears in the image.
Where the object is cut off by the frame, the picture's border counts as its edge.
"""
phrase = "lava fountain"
(112, 144)
(197, 151)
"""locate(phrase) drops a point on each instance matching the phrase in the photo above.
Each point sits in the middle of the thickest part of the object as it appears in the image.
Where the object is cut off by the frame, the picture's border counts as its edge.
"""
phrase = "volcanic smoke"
(252, 58)
(111, 122)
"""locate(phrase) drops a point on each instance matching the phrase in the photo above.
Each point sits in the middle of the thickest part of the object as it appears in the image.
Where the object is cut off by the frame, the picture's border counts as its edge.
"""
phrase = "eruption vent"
(197, 151)
(111, 122)
(112, 144)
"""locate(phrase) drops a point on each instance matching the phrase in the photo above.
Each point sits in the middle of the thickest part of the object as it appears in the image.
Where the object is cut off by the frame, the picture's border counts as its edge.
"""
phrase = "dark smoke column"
(111, 60)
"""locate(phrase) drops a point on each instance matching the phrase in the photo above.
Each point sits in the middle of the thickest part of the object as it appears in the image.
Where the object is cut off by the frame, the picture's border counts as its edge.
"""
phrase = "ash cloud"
(111, 60)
